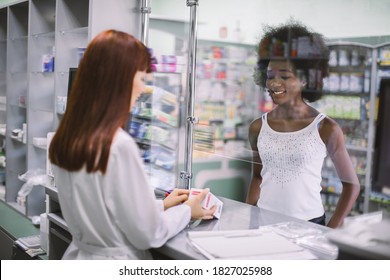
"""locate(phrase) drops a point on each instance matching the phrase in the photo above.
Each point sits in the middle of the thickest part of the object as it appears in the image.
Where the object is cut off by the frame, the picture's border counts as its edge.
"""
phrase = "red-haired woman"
(104, 193)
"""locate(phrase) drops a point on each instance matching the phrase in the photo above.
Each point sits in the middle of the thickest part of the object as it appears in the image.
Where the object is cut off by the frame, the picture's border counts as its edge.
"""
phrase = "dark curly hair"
(292, 29)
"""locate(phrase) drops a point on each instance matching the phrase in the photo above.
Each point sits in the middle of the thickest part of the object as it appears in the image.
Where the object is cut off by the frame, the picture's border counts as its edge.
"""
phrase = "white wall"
(332, 18)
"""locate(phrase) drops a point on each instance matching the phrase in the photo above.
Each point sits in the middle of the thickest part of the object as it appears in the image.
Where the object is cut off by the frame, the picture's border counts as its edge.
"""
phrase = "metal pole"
(190, 94)
(145, 11)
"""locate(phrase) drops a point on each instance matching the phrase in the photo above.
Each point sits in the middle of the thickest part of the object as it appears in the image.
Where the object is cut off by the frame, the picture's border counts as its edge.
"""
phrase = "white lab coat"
(116, 215)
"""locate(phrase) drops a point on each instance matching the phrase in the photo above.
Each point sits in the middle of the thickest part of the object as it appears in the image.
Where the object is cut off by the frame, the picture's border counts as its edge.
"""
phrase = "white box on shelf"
(3, 128)
(40, 142)
(24, 135)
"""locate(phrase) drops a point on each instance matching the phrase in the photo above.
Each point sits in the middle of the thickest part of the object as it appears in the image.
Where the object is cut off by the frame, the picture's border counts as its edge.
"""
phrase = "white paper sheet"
(246, 244)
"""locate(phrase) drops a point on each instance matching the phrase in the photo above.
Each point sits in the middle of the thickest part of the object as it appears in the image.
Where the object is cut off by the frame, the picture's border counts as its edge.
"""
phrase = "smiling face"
(282, 84)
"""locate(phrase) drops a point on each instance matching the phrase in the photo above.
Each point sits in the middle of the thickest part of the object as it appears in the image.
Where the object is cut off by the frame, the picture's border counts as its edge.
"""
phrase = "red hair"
(99, 101)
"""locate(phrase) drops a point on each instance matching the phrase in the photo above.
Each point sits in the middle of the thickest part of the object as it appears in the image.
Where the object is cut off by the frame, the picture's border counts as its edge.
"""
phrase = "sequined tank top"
(292, 163)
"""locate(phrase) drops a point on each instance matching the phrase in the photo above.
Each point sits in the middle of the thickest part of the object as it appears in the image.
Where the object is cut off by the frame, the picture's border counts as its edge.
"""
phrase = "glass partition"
(228, 99)
(158, 119)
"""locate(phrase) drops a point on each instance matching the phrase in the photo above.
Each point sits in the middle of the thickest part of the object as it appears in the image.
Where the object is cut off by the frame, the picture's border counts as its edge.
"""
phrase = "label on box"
(209, 201)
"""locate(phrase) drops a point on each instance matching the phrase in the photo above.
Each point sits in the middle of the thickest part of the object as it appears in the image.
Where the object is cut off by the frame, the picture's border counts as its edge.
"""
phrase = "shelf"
(225, 80)
(40, 147)
(349, 68)
(326, 192)
(159, 167)
(221, 102)
(17, 140)
(42, 73)
(58, 220)
(45, 110)
(21, 38)
(79, 30)
(52, 192)
(148, 143)
(153, 121)
(169, 68)
(356, 148)
(18, 106)
(142, 118)
(17, 73)
(222, 42)
(380, 201)
(16, 206)
(226, 60)
(346, 93)
(379, 198)
(33, 28)
(43, 35)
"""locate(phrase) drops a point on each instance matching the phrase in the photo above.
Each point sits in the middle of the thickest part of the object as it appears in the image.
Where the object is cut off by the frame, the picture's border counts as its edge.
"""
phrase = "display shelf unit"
(226, 95)
(40, 112)
(34, 33)
(3, 62)
(348, 93)
(77, 22)
(156, 127)
(383, 63)
(379, 198)
(17, 101)
(3, 94)
(71, 34)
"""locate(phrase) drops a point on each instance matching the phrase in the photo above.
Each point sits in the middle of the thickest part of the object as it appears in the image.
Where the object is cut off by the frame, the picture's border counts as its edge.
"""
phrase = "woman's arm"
(333, 137)
(131, 201)
(254, 189)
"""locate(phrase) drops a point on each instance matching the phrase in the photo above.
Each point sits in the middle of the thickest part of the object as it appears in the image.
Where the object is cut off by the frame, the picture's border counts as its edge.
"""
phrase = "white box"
(209, 201)
(40, 142)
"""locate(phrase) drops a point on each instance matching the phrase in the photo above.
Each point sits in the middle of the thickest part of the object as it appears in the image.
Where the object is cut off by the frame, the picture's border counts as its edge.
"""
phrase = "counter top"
(14, 223)
(235, 216)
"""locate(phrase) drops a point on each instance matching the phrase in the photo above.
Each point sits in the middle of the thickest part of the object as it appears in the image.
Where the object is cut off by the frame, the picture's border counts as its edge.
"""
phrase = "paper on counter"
(246, 244)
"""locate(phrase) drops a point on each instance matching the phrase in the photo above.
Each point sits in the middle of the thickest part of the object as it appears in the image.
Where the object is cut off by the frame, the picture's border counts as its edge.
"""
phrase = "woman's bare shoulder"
(330, 130)
(255, 126)
(329, 124)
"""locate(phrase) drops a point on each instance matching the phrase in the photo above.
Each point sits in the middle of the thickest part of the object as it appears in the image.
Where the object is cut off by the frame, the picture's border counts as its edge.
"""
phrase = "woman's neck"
(295, 111)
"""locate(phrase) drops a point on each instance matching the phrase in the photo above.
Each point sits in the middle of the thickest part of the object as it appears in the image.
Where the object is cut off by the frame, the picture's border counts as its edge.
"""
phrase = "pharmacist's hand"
(197, 211)
(176, 197)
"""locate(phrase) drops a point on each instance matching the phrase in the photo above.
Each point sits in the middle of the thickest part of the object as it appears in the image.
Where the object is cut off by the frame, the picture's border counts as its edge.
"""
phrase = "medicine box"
(209, 201)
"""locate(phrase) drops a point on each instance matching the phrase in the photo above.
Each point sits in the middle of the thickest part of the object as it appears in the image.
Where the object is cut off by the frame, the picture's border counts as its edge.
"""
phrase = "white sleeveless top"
(292, 163)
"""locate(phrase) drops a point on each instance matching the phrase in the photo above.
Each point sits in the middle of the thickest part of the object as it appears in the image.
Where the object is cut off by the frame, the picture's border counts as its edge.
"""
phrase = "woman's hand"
(176, 197)
(197, 211)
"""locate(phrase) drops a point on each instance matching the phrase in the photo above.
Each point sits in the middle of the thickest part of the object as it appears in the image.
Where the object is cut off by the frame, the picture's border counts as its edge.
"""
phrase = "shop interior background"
(228, 24)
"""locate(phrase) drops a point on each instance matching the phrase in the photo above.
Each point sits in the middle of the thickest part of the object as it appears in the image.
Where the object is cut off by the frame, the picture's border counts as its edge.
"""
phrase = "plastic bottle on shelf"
(294, 47)
(237, 32)
(366, 81)
(223, 32)
(354, 58)
(333, 58)
(368, 59)
(344, 58)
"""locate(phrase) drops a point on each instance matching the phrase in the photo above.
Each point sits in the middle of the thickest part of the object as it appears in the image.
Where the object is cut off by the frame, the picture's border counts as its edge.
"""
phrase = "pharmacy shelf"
(32, 34)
